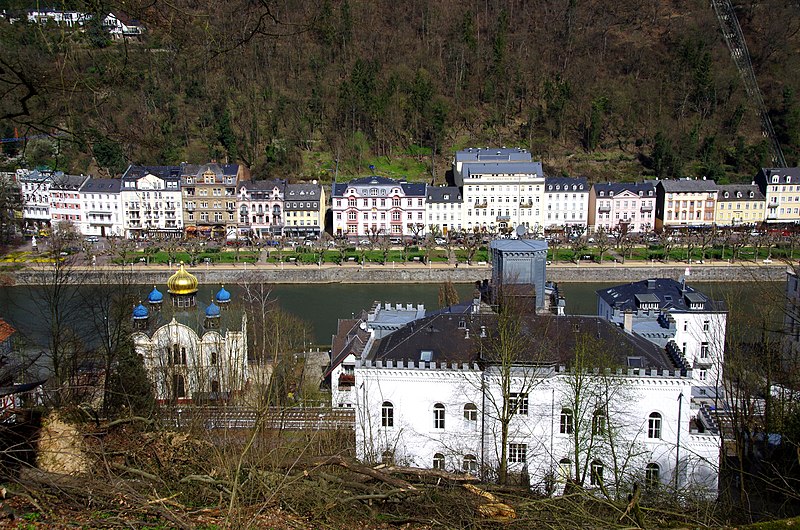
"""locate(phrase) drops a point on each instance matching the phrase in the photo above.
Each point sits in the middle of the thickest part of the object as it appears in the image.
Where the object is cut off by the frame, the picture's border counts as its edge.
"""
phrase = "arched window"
(471, 413)
(567, 425)
(599, 422)
(387, 414)
(470, 464)
(564, 469)
(438, 461)
(652, 475)
(438, 416)
(654, 425)
(213, 359)
(179, 386)
(596, 477)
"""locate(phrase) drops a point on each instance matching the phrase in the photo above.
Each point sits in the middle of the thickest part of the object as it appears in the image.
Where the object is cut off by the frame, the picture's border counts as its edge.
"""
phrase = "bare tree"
(601, 243)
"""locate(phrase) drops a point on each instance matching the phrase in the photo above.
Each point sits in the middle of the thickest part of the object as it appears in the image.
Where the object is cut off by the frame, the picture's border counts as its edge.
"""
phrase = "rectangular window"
(518, 403)
(704, 350)
(706, 325)
(517, 453)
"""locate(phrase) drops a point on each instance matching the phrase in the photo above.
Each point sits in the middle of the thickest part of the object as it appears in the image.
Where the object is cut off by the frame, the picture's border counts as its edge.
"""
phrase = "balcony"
(604, 209)
(480, 205)
(772, 205)
(646, 208)
(526, 205)
(503, 218)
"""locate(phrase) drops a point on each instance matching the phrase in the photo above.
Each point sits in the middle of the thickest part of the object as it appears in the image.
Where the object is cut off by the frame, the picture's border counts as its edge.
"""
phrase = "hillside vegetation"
(611, 90)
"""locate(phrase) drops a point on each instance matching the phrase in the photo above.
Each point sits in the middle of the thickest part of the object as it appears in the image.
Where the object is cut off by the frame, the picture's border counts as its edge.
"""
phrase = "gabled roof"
(101, 186)
(782, 173)
(195, 170)
(444, 194)
(350, 338)
(668, 293)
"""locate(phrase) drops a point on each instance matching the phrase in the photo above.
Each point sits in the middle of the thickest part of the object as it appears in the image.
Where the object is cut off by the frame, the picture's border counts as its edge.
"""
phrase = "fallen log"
(438, 474)
(352, 465)
(494, 509)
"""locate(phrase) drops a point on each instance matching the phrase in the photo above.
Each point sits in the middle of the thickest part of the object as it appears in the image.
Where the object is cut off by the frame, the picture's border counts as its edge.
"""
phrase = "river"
(322, 305)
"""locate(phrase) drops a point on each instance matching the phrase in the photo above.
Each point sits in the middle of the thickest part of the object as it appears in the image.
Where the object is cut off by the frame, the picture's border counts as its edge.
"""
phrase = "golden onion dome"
(182, 282)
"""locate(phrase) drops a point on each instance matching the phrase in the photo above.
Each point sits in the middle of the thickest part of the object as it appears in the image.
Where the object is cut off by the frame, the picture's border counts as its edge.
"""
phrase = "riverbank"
(411, 273)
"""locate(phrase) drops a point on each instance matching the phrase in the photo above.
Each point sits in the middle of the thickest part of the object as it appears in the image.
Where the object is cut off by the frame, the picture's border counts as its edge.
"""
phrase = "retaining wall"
(568, 273)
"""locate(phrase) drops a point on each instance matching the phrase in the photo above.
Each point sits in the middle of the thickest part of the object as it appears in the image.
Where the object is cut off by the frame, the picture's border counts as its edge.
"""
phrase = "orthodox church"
(193, 353)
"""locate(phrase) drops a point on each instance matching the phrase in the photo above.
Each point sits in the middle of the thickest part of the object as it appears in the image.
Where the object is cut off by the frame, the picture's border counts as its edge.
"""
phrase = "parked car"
(272, 243)
(441, 241)
(92, 239)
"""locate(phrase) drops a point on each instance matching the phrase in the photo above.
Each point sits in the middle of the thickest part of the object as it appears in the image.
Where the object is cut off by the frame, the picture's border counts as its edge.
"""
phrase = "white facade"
(567, 201)
(102, 208)
(439, 417)
(261, 206)
(183, 365)
(670, 314)
(35, 186)
(151, 204)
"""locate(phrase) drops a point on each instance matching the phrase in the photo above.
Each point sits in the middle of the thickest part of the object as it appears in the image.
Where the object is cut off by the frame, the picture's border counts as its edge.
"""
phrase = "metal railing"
(293, 419)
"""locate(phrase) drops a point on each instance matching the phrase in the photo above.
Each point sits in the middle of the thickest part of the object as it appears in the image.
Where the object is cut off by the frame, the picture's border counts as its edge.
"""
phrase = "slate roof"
(478, 154)
(565, 184)
(502, 168)
(669, 294)
(262, 185)
(411, 189)
(644, 187)
(302, 197)
(68, 182)
(350, 338)
(162, 172)
(444, 194)
(101, 186)
(551, 340)
(688, 185)
(192, 170)
(744, 189)
(782, 172)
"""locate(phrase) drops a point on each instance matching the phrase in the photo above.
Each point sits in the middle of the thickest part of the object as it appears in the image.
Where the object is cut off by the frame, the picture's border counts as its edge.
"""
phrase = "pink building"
(622, 204)
(378, 206)
(65, 200)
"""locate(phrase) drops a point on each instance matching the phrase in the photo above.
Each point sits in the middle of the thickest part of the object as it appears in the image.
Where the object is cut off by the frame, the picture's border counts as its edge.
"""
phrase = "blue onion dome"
(223, 296)
(140, 312)
(155, 296)
(212, 311)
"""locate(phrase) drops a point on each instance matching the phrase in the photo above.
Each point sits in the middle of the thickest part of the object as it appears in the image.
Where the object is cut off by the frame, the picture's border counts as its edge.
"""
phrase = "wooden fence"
(293, 419)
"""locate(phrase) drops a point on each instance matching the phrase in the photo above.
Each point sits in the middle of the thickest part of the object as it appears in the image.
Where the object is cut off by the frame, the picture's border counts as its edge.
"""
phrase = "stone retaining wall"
(379, 274)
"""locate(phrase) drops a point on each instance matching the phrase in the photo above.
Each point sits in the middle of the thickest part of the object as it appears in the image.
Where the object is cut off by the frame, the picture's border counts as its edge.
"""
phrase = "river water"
(322, 305)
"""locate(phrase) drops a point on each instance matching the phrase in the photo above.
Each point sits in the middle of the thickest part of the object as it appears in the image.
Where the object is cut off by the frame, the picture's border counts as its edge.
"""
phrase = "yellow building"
(304, 210)
(781, 189)
(740, 204)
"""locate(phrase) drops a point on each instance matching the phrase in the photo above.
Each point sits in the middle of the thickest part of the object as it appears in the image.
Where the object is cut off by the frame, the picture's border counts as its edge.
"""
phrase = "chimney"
(651, 284)
(627, 321)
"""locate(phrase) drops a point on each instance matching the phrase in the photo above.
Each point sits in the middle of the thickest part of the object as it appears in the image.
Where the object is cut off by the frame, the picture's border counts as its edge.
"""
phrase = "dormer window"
(752, 194)
(426, 355)
(610, 193)
(788, 180)
(462, 324)
(602, 194)
(738, 194)
(775, 179)
(641, 193)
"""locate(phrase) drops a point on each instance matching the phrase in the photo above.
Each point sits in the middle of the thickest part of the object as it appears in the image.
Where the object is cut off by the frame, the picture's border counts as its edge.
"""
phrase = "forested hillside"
(611, 90)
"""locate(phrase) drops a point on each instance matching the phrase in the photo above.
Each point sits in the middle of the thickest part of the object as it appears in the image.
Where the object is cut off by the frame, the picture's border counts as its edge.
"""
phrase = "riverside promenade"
(292, 273)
